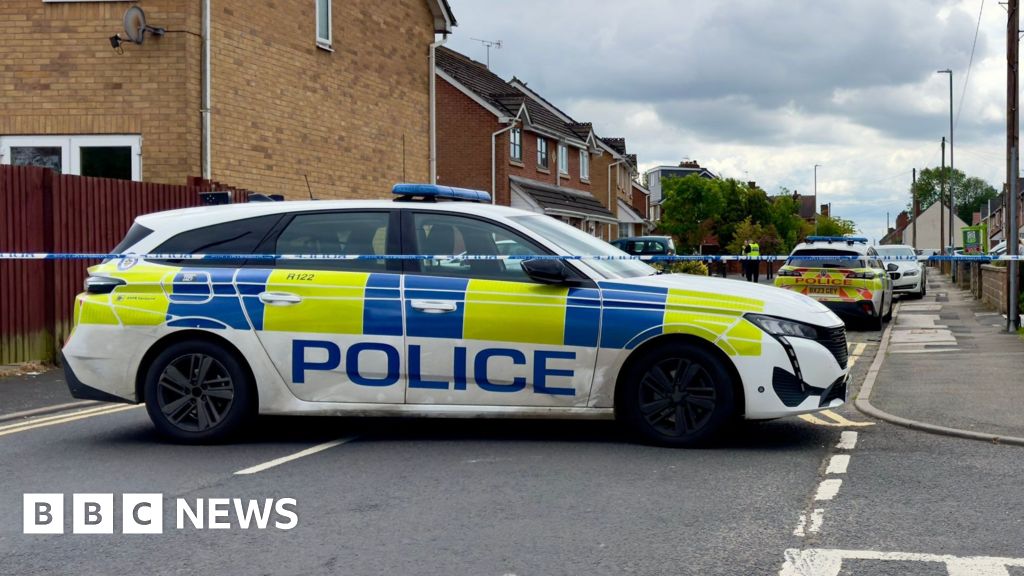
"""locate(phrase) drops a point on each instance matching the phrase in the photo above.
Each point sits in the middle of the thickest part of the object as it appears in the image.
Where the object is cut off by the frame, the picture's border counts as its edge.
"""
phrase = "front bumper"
(905, 285)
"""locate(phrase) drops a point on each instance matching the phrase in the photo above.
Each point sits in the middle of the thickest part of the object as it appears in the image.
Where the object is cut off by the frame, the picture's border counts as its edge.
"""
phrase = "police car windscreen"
(821, 258)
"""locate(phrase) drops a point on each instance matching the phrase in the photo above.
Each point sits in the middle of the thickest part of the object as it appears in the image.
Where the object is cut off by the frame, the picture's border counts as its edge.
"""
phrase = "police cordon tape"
(457, 257)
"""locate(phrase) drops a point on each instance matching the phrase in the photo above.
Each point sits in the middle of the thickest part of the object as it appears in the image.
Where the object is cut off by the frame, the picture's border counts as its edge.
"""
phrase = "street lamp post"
(952, 202)
(816, 166)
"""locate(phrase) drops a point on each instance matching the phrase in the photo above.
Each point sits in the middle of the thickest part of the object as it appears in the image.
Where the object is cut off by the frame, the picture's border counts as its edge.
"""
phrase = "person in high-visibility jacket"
(752, 268)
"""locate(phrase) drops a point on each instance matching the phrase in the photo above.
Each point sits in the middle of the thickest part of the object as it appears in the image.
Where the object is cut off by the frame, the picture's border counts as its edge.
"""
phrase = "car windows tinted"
(336, 233)
(235, 237)
(820, 260)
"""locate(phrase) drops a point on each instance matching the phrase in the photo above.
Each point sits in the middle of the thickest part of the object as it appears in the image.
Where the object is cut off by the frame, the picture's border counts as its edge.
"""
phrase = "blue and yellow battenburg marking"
(614, 315)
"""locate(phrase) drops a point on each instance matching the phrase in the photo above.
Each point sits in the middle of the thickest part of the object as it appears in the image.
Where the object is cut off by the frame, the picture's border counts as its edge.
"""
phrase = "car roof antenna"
(308, 188)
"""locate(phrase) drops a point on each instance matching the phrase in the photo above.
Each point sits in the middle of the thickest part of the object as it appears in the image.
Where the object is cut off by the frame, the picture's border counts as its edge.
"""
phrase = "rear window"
(135, 235)
(235, 237)
(820, 258)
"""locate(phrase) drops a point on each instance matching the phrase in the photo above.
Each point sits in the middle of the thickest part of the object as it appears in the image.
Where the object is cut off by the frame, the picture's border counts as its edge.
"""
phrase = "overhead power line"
(970, 63)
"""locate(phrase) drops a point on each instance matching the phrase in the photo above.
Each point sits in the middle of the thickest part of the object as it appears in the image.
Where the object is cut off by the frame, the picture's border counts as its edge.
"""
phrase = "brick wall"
(355, 120)
(993, 287)
(59, 75)
(464, 142)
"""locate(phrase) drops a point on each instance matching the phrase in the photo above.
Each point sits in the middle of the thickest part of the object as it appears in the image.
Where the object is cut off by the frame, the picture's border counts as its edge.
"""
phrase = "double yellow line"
(33, 423)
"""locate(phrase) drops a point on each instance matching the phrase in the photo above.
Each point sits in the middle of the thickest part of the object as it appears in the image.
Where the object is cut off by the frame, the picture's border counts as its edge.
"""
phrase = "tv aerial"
(489, 44)
(135, 28)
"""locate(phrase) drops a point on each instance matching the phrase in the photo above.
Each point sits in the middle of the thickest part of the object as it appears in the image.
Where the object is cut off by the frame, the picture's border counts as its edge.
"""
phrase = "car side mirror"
(547, 270)
(892, 267)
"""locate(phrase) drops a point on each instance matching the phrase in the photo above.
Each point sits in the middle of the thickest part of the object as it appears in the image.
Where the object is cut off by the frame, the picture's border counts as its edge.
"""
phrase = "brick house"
(505, 138)
(336, 92)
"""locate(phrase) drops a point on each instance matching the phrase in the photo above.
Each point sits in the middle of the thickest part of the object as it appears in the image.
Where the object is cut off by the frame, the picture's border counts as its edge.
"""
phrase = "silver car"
(908, 275)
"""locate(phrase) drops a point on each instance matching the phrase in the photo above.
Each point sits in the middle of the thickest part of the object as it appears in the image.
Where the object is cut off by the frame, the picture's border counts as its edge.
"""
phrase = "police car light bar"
(831, 239)
(433, 192)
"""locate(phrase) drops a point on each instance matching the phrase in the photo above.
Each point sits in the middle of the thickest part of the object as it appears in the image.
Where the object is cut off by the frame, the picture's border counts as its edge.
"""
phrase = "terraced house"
(260, 94)
(505, 138)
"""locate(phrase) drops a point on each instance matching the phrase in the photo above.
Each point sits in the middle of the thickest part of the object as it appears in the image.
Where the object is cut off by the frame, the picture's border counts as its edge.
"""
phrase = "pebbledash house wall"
(59, 76)
(354, 120)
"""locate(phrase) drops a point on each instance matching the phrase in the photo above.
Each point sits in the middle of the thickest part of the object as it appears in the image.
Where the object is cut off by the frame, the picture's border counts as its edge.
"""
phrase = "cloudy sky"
(765, 89)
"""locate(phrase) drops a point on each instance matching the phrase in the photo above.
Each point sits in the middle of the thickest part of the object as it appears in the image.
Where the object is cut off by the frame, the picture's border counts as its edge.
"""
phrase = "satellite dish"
(135, 26)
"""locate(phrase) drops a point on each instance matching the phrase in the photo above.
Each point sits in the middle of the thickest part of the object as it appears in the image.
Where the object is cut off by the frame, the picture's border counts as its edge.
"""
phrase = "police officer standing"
(752, 268)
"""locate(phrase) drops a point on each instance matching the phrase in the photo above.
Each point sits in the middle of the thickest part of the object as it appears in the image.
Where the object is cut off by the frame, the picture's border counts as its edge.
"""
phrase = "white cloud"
(764, 90)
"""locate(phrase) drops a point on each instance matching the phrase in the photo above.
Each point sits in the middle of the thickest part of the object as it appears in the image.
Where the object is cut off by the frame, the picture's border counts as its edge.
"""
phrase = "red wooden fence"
(47, 212)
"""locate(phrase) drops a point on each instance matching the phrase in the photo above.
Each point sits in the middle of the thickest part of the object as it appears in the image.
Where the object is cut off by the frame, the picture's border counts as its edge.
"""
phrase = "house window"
(584, 165)
(515, 144)
(100, 156)
(563, 158)
(323, 23)
(542, 153)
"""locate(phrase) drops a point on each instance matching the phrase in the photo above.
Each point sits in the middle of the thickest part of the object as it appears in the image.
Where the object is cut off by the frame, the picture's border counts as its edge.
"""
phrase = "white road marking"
(62, 419)
(828, 489)
(301, 454)
(817, 518)
(847, 440)
(828, 562)
(837, 464)
(801, 524)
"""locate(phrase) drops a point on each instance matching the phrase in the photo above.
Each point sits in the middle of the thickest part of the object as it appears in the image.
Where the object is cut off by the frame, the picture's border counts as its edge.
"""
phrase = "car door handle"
(434, 306)
(279, 298)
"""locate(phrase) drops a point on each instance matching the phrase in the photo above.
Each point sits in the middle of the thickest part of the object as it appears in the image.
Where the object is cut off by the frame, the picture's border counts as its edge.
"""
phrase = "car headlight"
(782, 327)
(910, 273)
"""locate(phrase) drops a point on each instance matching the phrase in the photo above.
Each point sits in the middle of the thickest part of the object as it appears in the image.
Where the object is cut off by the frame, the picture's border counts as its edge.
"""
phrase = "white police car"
(208, 344)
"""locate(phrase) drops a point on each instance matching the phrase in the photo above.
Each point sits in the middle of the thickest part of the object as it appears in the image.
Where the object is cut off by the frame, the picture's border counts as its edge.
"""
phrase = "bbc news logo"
(144, 513)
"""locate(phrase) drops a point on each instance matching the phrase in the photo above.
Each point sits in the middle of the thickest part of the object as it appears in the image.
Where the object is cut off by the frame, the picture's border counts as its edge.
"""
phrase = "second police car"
(843, 273)
(207, 345)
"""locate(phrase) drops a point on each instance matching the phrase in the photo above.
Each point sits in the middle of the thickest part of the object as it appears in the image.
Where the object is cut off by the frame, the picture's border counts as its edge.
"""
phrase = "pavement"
(947, 365)
(34, 391)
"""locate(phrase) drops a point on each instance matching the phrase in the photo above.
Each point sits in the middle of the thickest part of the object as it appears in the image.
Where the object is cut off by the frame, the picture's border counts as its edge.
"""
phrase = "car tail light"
(862, 275)
(102, 284)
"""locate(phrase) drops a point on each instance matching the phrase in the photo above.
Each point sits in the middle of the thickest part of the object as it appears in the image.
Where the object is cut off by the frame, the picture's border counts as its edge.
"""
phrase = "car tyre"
(888, 313)
(197, 392)
(676, 394)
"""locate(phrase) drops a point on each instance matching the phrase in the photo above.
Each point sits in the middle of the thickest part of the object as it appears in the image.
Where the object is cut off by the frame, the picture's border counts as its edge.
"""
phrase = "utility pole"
(913, 201)
(816, 208)
(1012, 157)
(942, 198)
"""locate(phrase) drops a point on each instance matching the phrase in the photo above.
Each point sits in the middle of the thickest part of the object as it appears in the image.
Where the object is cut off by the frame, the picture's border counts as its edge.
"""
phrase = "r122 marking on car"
(300, 276)
(462, 367)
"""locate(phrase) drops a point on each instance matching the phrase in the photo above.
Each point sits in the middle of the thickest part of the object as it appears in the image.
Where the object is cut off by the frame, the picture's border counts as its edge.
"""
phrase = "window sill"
(585, 180)
(543, 170)
(326, 46)
(518, 163)
(563, 174)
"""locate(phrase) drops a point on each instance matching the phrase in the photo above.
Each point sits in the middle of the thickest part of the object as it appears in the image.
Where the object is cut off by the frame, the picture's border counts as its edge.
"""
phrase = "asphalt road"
(825, 495)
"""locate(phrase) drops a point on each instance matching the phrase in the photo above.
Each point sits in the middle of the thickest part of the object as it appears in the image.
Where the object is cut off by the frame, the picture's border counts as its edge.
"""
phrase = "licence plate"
(824, 290)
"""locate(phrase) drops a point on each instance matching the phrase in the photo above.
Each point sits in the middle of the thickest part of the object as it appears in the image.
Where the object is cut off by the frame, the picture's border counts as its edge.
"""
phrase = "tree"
(688, 204)
(829, 226)
(746, 230)
(969, 192)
